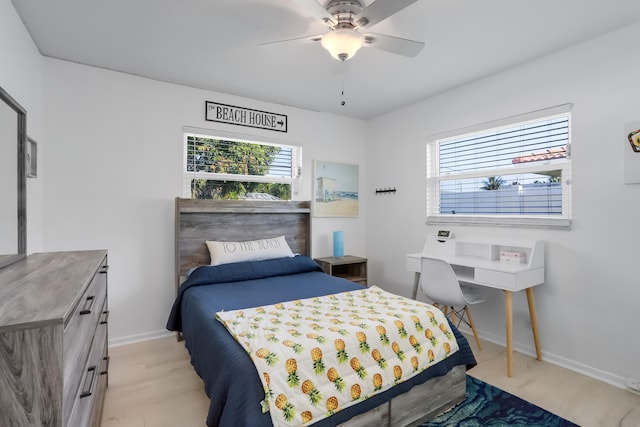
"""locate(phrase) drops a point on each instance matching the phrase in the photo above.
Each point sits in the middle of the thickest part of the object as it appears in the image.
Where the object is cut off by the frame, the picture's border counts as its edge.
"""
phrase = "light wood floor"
(152, 383)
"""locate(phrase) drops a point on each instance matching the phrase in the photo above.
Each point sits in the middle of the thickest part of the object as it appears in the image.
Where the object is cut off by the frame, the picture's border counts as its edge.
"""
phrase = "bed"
(230, 377)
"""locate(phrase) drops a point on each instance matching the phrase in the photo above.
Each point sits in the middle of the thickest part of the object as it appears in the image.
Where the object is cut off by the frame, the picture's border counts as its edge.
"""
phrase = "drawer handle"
(88, 304)
(105, 319)
(85, 392)
(105, 362)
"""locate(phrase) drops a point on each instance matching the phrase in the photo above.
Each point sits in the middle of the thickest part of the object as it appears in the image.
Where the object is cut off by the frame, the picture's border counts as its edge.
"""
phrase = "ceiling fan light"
(342, 43)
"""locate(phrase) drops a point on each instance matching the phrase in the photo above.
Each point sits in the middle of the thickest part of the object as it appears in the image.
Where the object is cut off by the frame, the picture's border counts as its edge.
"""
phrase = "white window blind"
(515, 174)
(212, 155)
(228, 167)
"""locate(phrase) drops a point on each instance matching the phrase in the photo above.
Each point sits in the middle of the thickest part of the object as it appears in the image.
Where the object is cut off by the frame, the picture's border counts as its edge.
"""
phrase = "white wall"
(114, 167)
(21, 76)
(587, 307)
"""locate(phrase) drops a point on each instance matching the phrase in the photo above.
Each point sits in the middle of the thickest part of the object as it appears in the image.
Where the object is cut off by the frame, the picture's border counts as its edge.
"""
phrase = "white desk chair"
(438, 281)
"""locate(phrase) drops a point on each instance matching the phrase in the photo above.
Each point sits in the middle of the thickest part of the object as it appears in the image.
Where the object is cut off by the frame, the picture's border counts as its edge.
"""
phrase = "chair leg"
(452, 316)
(473, 326)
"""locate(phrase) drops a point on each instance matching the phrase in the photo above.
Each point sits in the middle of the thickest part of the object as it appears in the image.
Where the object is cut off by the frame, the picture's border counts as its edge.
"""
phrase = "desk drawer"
(496, 279)
(510, 281)
(414, 264)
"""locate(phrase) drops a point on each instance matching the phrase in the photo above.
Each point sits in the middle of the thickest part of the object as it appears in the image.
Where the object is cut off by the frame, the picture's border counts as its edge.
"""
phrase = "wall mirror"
(13, 208)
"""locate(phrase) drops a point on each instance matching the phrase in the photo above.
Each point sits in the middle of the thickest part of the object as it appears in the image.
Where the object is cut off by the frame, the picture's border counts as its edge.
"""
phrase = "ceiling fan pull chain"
(342, 92)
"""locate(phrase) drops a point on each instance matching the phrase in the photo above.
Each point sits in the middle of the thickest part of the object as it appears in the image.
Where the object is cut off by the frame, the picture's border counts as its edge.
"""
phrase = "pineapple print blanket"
(319, 355)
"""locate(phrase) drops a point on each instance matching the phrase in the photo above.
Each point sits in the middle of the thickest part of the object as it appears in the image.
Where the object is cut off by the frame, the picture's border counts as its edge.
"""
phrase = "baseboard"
(589, 371)
(140, 337)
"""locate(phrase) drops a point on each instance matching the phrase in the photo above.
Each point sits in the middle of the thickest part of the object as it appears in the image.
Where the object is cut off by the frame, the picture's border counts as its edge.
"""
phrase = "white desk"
(477, 261)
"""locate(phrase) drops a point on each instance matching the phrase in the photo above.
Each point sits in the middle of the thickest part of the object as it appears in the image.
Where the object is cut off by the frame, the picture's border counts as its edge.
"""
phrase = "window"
(513, 172)
(227, 167)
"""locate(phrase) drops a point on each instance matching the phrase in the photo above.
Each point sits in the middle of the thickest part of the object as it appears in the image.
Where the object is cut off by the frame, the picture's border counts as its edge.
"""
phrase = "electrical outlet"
(633, 384)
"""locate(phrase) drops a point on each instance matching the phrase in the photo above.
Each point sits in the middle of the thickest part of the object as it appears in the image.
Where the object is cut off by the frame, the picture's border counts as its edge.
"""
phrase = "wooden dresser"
(53, 339)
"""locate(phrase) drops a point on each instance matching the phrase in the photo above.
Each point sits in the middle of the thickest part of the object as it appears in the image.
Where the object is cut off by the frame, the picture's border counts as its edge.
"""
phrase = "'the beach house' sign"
(223, 113)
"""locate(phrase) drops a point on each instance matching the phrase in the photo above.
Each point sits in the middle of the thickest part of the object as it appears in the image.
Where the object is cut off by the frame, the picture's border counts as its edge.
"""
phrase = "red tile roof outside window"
(554, 153)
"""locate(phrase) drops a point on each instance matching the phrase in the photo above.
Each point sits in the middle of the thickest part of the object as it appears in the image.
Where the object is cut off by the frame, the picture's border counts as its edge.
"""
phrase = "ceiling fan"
(347, 18)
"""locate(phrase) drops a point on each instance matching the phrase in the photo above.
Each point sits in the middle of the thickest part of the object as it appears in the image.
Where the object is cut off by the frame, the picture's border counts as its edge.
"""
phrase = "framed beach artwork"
(632, 153)
(335, 189)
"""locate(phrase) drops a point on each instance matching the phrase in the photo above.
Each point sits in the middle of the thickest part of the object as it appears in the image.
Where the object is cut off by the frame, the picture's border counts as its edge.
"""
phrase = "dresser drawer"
(89, 398)
(95, 417)
(79, 334)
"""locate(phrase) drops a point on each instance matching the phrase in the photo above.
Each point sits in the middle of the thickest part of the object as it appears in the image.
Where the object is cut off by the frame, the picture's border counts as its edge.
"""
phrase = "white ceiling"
(215, 45)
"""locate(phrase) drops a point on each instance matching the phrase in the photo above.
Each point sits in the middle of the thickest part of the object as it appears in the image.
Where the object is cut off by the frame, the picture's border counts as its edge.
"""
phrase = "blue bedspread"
(229, 375)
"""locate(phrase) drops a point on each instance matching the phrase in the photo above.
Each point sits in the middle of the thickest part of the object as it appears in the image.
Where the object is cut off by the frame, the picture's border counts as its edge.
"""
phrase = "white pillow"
(250, 250)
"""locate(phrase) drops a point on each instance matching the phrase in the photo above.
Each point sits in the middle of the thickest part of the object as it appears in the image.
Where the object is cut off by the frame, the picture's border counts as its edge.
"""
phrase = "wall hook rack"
(385, 191)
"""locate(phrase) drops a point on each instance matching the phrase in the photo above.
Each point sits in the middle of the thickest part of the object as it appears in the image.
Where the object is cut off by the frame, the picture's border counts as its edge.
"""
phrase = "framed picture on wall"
(32, 158)
(335, 189)
(632, 153)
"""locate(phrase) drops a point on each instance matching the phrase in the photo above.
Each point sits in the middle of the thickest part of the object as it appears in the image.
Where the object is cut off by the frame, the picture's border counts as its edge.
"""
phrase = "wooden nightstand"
(349, 267)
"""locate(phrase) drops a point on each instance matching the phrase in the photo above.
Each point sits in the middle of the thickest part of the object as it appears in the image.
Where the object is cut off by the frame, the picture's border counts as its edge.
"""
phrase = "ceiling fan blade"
(298, 40)
(316, 10)
(404, 47)
(380, 10)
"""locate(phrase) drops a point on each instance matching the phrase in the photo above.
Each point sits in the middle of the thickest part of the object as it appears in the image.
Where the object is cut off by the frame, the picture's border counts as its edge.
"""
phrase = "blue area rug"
(487, 405)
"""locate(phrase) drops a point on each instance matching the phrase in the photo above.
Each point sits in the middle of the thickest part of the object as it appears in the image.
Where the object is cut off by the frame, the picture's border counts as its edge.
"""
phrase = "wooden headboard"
(233, 221)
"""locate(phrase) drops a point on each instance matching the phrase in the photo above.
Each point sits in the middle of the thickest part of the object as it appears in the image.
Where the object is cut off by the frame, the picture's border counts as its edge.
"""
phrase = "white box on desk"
(513, 257)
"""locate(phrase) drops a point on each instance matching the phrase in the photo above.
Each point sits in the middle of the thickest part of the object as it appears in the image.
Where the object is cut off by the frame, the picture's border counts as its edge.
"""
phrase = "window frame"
(434, 217)
(296, 160)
